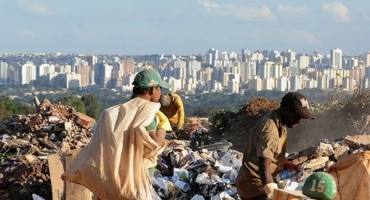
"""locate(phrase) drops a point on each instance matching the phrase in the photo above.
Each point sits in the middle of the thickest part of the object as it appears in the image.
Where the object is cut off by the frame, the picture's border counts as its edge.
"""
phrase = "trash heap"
(320, 157)
(23, 177)
(209, 173)
(56, 128)
(26, 141)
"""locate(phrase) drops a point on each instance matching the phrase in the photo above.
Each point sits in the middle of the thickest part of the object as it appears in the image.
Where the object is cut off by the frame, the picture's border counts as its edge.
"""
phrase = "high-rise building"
(211, 56)
(73, 80)
(248, 70)
(290, 55)
(128, 66)
(283, 84)
(45, 69)
(192, 67)
(367, 59)
(266, 69)
(92, 60)
(336, 58)
(294, 68)
(323, 82)
(85, 75)
(295, 83)
(233, 86)
(255, 84)
(273, 55)
(104, 75)
(3, 72)
(277, 70)
(303, 62)
(245, 54)
(207, 75)
(27, 73)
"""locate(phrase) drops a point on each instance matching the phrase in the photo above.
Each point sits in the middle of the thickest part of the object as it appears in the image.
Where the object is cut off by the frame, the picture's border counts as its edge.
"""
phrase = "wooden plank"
(75, 191)
(56, 169)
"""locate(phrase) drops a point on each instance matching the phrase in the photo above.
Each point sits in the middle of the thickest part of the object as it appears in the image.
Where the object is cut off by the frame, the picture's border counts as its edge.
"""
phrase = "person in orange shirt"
(173, 108)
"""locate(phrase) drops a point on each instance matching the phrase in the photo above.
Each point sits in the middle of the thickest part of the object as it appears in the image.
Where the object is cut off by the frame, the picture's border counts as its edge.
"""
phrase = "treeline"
(9, 108)
(94, 101)
(87, 105)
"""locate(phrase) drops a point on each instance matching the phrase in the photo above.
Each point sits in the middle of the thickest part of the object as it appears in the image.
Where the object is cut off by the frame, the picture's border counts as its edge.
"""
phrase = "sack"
(114, 165)
(352, 175)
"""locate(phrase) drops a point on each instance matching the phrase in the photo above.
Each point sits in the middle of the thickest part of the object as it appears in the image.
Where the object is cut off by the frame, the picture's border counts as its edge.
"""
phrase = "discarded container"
(280, 194)
(285, 174)
(197, 197)
(182, 185)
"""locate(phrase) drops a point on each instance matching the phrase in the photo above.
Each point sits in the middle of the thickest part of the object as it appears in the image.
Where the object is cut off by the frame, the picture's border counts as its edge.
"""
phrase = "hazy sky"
(183, 26)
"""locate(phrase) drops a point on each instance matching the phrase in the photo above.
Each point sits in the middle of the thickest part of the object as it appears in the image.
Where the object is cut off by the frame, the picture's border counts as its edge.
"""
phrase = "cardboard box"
(280, 194)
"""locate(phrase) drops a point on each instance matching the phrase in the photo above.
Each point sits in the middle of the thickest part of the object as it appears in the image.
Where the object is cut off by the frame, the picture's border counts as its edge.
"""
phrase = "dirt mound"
(235, 126)
(343, 114)
(24, 179)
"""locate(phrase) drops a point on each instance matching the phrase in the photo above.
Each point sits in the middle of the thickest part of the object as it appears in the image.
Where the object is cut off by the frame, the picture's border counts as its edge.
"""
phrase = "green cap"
(148, 78)
(320, 185)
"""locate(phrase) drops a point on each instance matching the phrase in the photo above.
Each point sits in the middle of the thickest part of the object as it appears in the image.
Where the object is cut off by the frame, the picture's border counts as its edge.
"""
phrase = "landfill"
(211, 174)
(204, 172)
(26, 141)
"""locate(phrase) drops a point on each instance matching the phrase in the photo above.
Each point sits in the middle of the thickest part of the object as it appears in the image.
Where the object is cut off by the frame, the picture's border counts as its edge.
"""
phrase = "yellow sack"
(114, 165)
(352, 175)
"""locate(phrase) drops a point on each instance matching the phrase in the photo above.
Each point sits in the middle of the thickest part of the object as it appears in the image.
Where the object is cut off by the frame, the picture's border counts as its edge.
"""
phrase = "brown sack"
(352, 176)
(114, 165)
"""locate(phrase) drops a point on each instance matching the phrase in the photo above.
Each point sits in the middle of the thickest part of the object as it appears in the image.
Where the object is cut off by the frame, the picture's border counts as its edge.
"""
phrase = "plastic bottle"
(285, 175)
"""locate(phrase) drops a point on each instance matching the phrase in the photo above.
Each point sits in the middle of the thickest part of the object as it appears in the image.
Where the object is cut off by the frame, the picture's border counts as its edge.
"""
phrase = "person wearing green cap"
(147, 85)
(123, 151)
(264, 154)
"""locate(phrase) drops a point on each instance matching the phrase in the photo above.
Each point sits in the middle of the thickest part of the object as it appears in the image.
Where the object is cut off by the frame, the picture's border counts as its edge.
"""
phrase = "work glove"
(175, 128)
(288, 165)
(269, 189)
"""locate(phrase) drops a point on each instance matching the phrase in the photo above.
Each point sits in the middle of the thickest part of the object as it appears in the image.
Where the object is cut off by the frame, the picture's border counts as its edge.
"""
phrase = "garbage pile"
(325, 154)
(24, 177)
(56, 128)
(209, 173)
(26, 141)
(320, 157)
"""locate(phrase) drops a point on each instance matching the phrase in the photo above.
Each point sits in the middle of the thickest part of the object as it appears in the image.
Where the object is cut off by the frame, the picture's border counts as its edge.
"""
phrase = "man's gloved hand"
(288, 165)
(175, 128)
(269, 189)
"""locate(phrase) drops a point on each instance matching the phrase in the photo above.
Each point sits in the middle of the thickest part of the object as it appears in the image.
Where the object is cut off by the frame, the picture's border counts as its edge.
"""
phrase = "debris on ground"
(206, 171)
(56, 128)
(186, 174)
(26, 141)
(23, 177)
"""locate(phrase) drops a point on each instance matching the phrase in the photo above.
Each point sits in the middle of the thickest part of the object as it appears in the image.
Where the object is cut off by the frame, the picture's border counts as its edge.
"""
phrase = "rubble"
(56, 128)
(25, 142)
(320, 157)
(22, 177)
(204, 172)
(186, 174)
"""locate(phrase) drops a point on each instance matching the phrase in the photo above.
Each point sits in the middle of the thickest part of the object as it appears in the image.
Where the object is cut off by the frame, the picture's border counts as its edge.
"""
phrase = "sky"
(183, 27)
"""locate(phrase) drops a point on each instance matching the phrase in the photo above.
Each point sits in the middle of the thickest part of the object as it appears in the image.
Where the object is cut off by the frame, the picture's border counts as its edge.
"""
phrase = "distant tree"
(206, 112)
(92, 106)
(9, 108)
(75, 102)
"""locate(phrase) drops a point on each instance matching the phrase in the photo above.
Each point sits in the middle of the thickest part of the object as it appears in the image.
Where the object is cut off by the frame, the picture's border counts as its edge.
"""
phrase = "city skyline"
(182, 27)
(215, 71)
